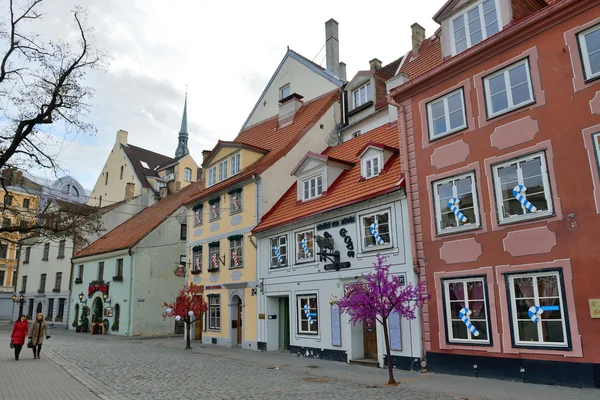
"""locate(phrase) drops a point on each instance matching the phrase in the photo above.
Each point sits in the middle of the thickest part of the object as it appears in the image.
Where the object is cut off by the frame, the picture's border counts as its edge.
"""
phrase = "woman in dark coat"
(19, 333)
(39, 330)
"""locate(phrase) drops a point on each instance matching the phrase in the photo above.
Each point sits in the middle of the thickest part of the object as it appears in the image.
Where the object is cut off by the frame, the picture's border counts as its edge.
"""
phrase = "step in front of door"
(368, 362)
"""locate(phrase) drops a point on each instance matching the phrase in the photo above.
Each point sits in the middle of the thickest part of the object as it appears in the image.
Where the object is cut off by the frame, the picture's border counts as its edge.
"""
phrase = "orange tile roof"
(430, 56)
(132, 231)
(349, 188)
(278, 141)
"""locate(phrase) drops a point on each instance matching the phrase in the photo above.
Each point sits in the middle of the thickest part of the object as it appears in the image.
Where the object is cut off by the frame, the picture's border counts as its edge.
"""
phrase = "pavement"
(80, 366)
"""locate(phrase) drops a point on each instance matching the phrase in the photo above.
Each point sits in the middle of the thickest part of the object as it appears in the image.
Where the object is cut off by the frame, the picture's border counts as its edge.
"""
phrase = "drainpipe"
(129, 328)
(408, 189)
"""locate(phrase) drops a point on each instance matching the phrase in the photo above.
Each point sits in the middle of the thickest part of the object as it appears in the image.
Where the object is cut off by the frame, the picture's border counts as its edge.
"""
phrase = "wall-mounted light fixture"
(81, 298)
(106, 299)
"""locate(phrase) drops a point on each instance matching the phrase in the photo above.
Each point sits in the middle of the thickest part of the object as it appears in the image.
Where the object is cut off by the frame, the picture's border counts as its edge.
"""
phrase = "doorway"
(239, 321)
(370, 340)
(76, 322)
(284, 323)
(236, 320)
(198, 323)
(21, 306)
(38, 309)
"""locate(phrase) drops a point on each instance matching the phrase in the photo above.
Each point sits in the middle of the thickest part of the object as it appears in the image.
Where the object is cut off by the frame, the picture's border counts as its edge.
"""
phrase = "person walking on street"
(18, 335)
(39, 330)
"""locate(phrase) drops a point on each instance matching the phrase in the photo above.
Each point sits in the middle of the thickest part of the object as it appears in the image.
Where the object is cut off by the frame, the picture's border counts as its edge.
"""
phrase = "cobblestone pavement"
(128, 368)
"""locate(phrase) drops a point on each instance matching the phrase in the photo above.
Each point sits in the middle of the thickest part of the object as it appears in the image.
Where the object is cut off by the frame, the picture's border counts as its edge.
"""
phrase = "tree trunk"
(388, 353)
(188, 345)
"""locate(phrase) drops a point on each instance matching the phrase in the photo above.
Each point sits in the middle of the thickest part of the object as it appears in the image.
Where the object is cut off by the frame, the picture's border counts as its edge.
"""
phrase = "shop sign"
(336, 223)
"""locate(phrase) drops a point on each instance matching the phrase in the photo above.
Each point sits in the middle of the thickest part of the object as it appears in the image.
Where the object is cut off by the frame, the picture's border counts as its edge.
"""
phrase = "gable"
(360, 79)
(304, 77)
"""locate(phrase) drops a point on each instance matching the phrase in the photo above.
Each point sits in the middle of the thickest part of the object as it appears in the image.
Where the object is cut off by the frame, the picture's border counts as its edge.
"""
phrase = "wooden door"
(198, 330)
(370, 340)
(239, 322)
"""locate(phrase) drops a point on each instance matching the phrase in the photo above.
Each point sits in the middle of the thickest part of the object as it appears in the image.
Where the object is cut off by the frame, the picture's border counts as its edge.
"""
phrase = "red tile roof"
(132, 231)
(430, 56)
(390, 69)
(278, 141)
(349, 188)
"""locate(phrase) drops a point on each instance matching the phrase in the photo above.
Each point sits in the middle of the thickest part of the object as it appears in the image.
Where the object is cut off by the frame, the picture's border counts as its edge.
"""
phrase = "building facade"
(502, 171)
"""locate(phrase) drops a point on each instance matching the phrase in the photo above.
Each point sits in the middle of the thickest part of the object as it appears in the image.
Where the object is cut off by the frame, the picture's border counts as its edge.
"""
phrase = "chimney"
(19, 177)
(375, 64)
(288, 108)
(342, 71)
(205, 153)
(129, 190)
(418, 35)
(164, 192)
(122, 136)
(332, 47)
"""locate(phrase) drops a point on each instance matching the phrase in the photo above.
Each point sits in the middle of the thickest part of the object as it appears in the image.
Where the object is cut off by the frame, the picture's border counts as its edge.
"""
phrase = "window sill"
(44, 259)
(213, 270)
(456, 231)
(240, 267)
(543, 347)
(56, 290)
(236, 212)
(41, 291)
(592, 79)
(469, 344)
(78, 281)
(446, 134)
(533, 217)
(279, 267)
(215, 219)
(308, 334)
(197, 225)
(377, 248)
(60, 257)
(509, 110)
(301, 263)
(196, 272)
(117, 278)
(214, 330)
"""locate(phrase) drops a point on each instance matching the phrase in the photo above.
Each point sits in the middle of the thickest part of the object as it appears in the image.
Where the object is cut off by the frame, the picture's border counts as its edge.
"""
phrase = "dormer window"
(222, 170)
(212, 176)
(371, 166)
(362, 95)
(475, 24)
(312, 187)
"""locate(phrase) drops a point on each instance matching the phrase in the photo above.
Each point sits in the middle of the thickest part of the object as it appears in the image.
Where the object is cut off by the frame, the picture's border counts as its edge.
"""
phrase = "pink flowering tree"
(377, 295)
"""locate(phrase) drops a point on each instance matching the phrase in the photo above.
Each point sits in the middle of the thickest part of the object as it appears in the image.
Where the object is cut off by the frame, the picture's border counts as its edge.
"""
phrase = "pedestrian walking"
(39, 330)
(18, 335)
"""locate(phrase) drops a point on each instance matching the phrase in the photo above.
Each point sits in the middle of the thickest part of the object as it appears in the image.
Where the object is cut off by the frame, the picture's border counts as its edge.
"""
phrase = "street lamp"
(21, 298)
(81, 300)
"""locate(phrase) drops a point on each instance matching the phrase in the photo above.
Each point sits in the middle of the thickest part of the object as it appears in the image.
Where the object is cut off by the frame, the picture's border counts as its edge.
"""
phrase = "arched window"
(106, 178)
(187, 175)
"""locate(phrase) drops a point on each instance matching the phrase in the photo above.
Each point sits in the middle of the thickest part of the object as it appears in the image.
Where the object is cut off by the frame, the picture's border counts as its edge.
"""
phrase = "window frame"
(100, 271)
(239, 198)
(301, 314)
(584, 55)
(26, 203)
(505, 71)
(80, 271)
(363, 237)
(46, 253)
(368, 94)
(182, 231)
(235, 160)
(512, 310)
(23, 283)
(241, 253)
(297, 246)
(121, 173)
(197, 254)
(463, 14)
(4, 251)
(211, 251)
(8, 200)
(447, 311)
(187, 174)
(211, 176)
(211, 216)
(119, 268)
(502, 220)
(217, 307)
(272, 252)
(61, 248)
(281, 91)
(27, 255)
(223, 170)
(436, 200)
(444, 98)
(58, 281)
(106, 179)
(308, 180)
(43, 278)
(198, 211)
(365, 169)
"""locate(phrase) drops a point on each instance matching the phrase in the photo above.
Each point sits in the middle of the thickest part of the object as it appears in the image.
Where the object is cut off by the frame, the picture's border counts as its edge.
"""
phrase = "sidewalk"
(29, 379)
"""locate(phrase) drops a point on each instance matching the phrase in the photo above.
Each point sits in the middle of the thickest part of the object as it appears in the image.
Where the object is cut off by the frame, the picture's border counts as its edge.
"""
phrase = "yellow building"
(128, 164)
(243, 179)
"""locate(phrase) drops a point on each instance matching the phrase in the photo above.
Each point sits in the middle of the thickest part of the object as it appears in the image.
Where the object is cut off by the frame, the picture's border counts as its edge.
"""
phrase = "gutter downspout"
(407, 187)
(129, 327)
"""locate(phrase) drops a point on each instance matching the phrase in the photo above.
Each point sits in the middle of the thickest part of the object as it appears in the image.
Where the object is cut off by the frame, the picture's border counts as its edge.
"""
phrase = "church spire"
(182, 147)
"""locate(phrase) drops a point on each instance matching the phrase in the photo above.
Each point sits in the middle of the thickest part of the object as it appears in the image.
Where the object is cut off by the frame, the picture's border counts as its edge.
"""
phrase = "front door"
(284, 323)
(370, 340)
(239, 321)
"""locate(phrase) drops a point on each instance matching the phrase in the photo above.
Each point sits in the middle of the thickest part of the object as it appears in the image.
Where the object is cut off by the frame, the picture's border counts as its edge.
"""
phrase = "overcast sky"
(225, 51)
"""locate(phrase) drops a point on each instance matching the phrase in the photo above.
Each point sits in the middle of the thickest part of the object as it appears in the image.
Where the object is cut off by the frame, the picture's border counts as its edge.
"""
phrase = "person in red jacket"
(19, 333)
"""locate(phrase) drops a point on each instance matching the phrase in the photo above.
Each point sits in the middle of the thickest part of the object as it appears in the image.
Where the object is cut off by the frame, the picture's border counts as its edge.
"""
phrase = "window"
(197, 259)
(198, 216)
(456, 206)
(106, 178)
(376, 230)
(589, 42)
(61, 308)
(27, 255)
(160, 185)
(24, 284)
(522, 188)
(308, 319)
(121, 173)
(284, 92)
(23, 226)
(537, 309)
(145, 164)
(58, 281)
(170, 170)
(3, 250)
(596, 142)
(61, 249)
(312, 187)
(46, 251)
(236, 201)
(371, 167)
(223, 170)
(278, 251)
(356, 134)
(187, 175)
(213, 253)
(80, 272)
(26, 203)
(101, 271)
(183, 232)
(235, 164)
(42, 283)
(475, 25)
(212, 176)
(305, 246)
(6, 222)
(446, 115)
(8, 199)
(215, 209)
(2, 277)
(119, 270)
(461, 297)
(362, 95)
(50, 309)
(214, 312)
(100, 202)
(508, 89)
(235, 250)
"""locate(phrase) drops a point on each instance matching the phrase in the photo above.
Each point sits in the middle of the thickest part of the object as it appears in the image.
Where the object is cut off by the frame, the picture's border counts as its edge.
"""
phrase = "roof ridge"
(149, 151)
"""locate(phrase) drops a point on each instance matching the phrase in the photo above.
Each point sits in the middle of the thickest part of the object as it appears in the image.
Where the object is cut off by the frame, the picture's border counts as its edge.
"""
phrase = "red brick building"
(499, 124)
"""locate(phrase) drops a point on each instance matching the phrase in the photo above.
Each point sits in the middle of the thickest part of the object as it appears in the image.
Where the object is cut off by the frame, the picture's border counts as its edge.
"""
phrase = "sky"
(223, 52)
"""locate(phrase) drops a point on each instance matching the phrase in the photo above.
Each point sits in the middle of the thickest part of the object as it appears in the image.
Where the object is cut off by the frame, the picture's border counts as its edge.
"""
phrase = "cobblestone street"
(129, 368)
